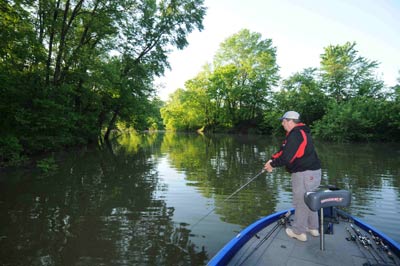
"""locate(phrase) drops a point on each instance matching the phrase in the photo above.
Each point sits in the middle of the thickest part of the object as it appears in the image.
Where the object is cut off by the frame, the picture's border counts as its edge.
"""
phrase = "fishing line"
(230, 196)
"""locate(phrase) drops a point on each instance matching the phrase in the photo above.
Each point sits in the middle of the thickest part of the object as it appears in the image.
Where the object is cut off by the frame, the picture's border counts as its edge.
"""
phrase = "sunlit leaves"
(94, 61)
(234, 88)
(302, 92)
(184, 110)
(346, 74)
(245, 66)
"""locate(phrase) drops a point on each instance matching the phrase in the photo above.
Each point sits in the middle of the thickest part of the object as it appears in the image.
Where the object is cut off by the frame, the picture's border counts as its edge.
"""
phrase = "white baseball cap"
(290, 115)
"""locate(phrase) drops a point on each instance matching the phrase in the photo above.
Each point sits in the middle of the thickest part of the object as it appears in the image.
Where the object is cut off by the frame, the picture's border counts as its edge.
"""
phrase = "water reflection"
(135, 201)
(99, 209)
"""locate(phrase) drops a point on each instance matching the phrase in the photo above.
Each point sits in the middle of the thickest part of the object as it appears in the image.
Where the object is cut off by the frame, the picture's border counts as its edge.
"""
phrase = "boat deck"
(274, 247)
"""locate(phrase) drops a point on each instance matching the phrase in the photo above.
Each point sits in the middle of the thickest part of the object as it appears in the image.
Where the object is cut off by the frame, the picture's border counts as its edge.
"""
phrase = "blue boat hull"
(224, 256)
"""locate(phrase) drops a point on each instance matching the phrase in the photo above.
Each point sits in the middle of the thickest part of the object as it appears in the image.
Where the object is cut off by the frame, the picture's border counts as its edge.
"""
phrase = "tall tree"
(247, 69)
(157, 27)
(233, 90)
(302, 92)
(52, 52)
(345, 74)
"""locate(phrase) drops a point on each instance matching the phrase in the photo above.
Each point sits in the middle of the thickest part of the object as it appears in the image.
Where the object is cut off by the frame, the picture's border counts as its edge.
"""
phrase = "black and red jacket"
(297, 152)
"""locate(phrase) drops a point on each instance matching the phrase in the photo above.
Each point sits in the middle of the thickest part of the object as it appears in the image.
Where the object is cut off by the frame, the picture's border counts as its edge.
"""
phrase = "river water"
(161, 198)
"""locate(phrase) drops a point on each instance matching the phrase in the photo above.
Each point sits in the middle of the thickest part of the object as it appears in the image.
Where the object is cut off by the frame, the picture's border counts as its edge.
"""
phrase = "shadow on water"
(133, 201)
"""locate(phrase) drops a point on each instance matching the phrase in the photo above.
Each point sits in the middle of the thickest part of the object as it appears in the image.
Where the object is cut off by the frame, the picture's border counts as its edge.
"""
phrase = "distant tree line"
(70, 70)
(343, 100)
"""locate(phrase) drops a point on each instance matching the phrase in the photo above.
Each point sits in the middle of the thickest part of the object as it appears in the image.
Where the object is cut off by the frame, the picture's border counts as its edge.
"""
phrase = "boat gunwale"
(225, 254)
(230, 249)
(394, 246)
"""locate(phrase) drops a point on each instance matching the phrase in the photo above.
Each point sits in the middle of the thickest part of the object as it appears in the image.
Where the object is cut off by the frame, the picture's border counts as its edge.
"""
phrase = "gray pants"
(301, 183)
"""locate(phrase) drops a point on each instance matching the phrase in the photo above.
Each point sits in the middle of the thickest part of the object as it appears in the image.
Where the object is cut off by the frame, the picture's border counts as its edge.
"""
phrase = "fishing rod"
(282, 221)
(356, 240)
(382, 247)
(230, 196)
(367, 244)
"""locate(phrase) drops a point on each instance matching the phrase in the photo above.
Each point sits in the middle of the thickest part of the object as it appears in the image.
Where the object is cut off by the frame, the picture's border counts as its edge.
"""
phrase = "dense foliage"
(71, 69)
(343, 100)
(234, 89)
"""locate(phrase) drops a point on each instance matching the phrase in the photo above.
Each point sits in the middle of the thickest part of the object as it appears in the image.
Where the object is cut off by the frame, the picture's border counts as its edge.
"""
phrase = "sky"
(299, 29)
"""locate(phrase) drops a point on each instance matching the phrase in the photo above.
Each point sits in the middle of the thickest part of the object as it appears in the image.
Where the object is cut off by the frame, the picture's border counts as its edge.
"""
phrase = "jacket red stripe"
(302, 147)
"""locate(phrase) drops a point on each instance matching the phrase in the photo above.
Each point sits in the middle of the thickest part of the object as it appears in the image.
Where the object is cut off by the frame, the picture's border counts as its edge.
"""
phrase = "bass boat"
(343, 239)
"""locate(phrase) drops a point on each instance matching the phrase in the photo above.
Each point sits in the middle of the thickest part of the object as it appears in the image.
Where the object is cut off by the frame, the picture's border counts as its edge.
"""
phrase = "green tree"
(302, 92)
(201, 103)
(185, 109)
(393, 112)
(359, 107)
(223, 88)
(232, 90)
(173, 113)
(345, 74)
(358, 119)
(153, 115)
(53, 53)
(245, 71)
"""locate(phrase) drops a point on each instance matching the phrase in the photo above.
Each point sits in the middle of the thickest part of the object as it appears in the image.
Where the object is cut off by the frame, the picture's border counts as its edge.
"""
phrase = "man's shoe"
(301, 237)
(313, 232)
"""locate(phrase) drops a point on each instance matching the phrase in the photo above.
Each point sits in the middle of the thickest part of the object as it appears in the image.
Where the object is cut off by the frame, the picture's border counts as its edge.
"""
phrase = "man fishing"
(298, 155)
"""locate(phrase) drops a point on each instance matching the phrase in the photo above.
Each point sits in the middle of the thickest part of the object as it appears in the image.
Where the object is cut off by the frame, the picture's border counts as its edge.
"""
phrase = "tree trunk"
(111, 125)
(51, 39)
(66, 25)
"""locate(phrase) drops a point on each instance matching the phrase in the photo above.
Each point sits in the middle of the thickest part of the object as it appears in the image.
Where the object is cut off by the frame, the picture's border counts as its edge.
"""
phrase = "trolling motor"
(326, 198)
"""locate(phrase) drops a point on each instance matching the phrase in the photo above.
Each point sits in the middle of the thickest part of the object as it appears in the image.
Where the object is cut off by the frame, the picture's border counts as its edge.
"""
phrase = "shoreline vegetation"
(71, 74)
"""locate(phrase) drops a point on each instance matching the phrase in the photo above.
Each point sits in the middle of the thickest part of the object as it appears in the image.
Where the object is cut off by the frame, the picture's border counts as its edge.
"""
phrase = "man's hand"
(268, 166)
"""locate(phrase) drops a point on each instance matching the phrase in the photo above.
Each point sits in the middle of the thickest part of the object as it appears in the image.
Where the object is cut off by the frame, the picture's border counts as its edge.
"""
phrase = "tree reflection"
(219, 165)
(100, 208)
(103, 206)
(358, 168)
